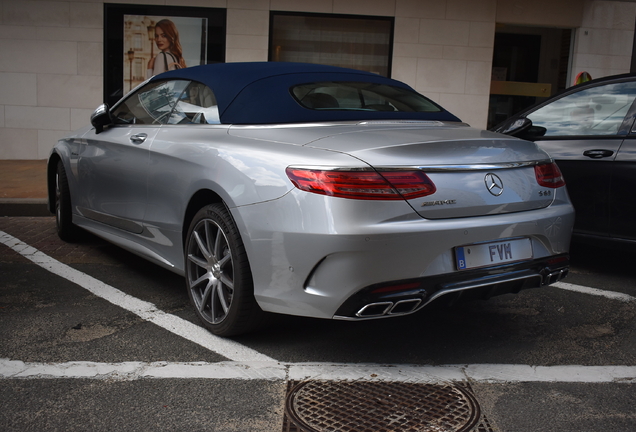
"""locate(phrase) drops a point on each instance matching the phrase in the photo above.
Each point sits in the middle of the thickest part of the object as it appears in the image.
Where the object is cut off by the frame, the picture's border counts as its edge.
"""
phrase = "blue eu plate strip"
(461, 261)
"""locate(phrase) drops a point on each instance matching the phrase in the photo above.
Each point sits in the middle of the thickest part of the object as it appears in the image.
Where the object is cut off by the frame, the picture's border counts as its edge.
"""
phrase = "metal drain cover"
(362, 406)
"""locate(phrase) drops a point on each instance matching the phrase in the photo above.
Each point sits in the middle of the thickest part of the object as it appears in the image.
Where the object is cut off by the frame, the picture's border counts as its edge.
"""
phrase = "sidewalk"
(23, 190)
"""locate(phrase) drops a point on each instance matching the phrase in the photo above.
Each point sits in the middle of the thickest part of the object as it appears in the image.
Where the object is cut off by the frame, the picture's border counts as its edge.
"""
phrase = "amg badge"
(442, 202)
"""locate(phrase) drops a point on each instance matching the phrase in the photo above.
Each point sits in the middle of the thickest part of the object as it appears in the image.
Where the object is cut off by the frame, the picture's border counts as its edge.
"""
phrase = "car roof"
(259, 92)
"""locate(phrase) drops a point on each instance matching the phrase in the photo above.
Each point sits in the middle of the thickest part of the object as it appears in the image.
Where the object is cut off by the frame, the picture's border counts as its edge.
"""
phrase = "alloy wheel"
(210, 271)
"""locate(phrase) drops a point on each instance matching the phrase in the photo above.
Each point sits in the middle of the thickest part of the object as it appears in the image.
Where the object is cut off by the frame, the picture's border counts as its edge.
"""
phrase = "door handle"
(138, 138)
(597, 154)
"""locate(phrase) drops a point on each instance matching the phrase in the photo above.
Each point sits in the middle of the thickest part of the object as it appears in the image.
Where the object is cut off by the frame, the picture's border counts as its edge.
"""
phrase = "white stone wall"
(50, 72)
(444, 49)
(51, 51)
(604, 41)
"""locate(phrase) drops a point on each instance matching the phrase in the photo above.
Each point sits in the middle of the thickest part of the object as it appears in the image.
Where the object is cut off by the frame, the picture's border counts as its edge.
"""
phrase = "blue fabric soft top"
(259, 92)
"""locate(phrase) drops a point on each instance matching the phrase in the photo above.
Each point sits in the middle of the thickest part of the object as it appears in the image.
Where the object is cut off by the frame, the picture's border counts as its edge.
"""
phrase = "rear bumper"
(309, 254)
(408, 296)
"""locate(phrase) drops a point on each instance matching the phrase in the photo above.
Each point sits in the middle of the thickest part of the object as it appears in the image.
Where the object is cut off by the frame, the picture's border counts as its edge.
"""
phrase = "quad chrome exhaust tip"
(388, 308)
(556, 276)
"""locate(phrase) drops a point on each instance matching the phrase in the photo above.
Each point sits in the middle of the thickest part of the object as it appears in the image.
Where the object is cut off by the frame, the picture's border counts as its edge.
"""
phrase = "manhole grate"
(377, 406)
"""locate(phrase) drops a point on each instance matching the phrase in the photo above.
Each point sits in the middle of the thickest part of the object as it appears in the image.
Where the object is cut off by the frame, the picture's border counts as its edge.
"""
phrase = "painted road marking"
(273, 371)
(146, 310)
(595, 291)
(250, 364)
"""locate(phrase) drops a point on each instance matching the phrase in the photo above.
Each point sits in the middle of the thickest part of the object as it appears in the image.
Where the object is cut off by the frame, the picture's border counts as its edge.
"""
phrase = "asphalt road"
(94, 338)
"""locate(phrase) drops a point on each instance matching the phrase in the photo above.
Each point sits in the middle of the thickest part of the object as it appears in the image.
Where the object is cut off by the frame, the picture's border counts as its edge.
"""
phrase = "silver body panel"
(308, 253)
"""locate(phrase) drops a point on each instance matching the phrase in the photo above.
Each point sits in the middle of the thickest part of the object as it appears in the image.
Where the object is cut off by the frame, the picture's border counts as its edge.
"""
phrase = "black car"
(589, 130)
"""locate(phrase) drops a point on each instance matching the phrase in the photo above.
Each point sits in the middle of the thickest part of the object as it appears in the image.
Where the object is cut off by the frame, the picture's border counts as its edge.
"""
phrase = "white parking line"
(147, 311)
(250, 364)
(595, 291)
(272, 371)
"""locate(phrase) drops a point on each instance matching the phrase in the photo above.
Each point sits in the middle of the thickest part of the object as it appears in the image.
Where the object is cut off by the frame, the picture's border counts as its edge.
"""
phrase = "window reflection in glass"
(196, 105)
(595, 111)
(160, 101)
(152, 104)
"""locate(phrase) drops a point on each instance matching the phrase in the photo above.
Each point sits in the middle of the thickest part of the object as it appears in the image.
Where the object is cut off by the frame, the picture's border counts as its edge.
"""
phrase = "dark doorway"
(518, 54)
(529, 65)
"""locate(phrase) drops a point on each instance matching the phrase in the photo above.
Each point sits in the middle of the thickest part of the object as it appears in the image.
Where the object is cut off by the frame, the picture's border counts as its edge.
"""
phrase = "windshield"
(361, 96)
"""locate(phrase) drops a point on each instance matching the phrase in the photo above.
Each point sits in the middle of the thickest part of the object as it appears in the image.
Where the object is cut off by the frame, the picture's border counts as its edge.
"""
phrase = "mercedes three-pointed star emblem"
(494, 184)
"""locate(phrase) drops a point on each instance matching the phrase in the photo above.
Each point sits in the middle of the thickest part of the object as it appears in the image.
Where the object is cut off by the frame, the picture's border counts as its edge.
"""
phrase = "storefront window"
(362, 43)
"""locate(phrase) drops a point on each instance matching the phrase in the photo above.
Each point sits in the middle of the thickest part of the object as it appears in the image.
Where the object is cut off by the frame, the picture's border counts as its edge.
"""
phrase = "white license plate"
(487, 254)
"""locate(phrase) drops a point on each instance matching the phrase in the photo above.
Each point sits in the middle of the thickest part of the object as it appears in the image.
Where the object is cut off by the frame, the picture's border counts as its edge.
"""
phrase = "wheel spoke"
(58, 208)
(198, 261)
(206, 297)
(217, 244)
(216, 317)
(200, 280)
(201, 245)
(226, 281)
(221, 296)
(224, 260)
(211, 240)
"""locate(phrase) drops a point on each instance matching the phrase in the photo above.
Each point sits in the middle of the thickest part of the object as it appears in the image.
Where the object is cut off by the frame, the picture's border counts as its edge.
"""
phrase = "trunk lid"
(476, 172)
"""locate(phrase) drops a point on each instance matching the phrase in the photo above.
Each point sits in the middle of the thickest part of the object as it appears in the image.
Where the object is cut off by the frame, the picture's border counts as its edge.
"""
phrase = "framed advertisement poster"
(142, 40)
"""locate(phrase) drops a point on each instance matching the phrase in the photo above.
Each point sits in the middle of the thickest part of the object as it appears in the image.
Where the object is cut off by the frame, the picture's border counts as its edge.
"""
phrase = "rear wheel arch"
(199, 200)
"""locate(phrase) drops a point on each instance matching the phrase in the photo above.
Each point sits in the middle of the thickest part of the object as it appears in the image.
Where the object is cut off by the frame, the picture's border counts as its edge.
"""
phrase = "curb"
(24, 207)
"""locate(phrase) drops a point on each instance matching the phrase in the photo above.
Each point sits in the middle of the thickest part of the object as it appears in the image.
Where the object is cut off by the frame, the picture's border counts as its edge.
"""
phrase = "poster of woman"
(170, 55)
(155, 44)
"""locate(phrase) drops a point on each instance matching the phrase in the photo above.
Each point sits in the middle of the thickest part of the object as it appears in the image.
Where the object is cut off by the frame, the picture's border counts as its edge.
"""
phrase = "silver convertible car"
(311, 190)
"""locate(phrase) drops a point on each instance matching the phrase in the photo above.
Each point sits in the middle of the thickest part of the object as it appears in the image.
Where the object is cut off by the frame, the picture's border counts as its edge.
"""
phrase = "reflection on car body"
(311, 190)
(589, 131)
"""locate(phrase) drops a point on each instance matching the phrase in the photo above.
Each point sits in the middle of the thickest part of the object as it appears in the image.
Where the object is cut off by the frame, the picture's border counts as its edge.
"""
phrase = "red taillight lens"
(365, 185)
(549, 175)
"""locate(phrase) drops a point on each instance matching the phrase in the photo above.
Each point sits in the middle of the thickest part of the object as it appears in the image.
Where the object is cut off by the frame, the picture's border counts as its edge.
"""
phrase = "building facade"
(480, 59)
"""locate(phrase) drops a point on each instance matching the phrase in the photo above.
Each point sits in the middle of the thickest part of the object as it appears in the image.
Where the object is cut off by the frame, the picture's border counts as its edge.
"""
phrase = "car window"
(196, 105)
(152, 104)
(598, 110)
(361, 96)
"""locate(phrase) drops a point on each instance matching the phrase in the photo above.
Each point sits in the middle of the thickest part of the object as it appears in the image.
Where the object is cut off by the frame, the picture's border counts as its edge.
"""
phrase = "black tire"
(218, 275)
(66, 229)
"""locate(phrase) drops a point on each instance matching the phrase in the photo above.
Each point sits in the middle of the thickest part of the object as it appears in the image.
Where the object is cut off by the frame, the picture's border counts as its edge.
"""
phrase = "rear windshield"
(361, 96)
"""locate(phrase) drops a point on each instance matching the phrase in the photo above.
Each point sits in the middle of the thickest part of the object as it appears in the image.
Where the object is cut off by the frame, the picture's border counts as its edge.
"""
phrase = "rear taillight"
(364, 185)
(549, 175)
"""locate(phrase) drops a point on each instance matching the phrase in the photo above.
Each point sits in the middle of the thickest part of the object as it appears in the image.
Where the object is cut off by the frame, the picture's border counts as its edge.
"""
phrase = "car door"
(113, 165)
(583, 131)
(623, 191)
(176, 155)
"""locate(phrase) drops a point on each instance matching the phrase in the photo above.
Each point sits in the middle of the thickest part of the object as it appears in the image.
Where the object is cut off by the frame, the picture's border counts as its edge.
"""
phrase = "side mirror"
(101, 117)
(522, 128)
(515, 127)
